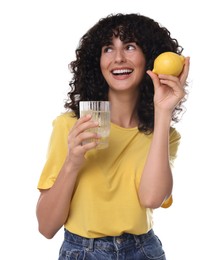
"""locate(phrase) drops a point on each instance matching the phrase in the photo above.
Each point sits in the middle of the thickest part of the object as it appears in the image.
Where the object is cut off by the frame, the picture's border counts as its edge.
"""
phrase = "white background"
(38, 39)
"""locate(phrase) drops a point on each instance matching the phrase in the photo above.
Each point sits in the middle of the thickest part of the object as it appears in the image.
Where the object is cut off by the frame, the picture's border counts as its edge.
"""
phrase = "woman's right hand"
(77, 136)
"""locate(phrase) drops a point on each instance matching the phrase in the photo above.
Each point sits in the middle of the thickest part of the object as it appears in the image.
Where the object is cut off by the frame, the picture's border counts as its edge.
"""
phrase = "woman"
(105, 198)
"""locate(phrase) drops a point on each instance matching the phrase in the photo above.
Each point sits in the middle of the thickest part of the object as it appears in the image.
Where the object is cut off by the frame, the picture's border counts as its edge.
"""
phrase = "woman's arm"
(156, 181)
(53, 205)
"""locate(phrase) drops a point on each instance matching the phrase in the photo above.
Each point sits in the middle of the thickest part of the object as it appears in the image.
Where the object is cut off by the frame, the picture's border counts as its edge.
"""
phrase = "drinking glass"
(100, 112)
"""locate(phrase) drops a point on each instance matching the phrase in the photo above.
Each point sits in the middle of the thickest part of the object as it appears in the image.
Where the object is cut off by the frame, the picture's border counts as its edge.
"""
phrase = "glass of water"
(100, 112)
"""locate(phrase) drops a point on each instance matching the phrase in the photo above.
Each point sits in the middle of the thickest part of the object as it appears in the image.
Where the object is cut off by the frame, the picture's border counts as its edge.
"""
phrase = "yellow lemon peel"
(169, 63)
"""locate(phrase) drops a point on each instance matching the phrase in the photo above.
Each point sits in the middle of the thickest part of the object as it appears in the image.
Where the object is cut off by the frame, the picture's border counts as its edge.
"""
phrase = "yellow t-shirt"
(105, 200)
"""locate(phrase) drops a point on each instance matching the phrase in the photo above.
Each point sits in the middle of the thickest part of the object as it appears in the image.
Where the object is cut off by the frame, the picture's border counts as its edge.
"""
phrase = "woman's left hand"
(169, 90)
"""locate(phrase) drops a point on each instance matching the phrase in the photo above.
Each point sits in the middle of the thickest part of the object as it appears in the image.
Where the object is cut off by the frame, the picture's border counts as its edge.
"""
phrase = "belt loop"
(137, 240)
(90, 244)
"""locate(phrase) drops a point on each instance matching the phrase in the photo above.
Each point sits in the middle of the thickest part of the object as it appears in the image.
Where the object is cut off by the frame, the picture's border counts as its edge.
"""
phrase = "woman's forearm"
(156, 181)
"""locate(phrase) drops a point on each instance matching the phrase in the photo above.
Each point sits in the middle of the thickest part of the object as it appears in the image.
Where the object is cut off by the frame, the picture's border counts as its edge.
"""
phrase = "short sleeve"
(173, 148)
(173, 145)
(168, 202)
(57, 151)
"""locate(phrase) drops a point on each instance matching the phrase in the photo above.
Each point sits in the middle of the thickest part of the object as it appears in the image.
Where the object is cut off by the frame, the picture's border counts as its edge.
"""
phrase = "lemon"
(169, 63)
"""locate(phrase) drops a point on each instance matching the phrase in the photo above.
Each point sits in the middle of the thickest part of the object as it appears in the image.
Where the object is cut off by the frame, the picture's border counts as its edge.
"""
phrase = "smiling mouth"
(122, 72)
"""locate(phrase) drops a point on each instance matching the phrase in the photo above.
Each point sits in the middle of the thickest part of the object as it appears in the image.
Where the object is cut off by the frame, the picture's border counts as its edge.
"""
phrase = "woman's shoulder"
(69, 115)
(66, 118)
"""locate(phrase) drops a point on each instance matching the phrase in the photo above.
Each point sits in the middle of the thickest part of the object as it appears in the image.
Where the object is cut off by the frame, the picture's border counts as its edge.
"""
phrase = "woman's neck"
(123, 110)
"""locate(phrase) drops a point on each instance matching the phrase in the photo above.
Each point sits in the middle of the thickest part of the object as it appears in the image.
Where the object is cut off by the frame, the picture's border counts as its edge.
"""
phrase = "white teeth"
(123, 71)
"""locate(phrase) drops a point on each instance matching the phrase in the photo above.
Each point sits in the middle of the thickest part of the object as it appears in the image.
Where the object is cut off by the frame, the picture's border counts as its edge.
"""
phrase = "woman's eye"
(107, 49)
(130, 47)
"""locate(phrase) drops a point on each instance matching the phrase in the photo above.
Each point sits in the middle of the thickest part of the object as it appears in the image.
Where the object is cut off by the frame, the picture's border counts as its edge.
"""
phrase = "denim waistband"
(108, 242)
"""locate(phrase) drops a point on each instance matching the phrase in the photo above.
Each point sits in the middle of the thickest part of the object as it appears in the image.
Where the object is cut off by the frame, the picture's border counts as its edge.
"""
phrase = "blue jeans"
(124, 247)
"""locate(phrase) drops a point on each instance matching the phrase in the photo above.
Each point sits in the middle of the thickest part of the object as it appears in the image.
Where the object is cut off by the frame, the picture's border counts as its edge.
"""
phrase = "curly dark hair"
(88, 82)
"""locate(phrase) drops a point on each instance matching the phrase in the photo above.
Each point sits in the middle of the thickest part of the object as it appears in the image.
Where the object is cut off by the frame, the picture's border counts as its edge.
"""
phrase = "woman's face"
(122, 65)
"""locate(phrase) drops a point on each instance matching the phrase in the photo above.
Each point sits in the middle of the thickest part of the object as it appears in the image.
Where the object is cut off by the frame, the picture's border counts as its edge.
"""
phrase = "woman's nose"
(120, 56)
